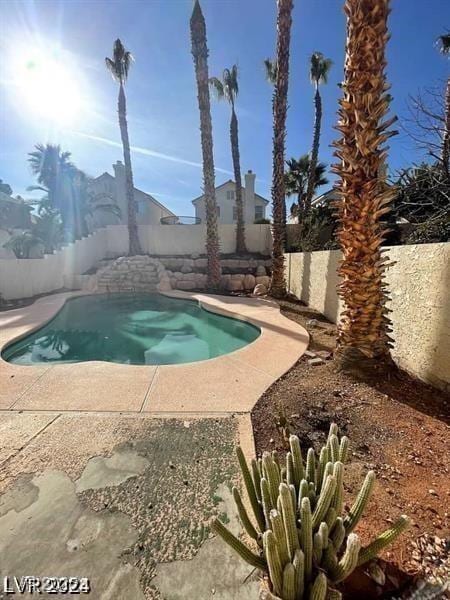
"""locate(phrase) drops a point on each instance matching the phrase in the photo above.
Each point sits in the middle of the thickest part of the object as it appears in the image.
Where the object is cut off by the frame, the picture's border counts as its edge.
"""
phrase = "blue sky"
(162, 107)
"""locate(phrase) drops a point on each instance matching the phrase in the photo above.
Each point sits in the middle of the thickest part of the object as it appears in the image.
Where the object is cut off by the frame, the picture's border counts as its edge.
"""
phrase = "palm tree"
(200, 55)
(363, 342)
(119, 67)
(444, 44)
(320, 67)
(284, 22)
(296, 180)
(228, 88)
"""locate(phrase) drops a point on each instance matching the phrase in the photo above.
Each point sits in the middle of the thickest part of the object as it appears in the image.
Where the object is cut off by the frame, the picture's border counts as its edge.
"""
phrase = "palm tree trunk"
(446, 136)
(240, 226)
(284, 22)
(133, 236)
(314, 151)
(363, 342)
(200, 55)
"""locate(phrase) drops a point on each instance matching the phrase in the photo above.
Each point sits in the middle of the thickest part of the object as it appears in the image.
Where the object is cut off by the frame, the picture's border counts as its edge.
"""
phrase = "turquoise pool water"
(133, 329)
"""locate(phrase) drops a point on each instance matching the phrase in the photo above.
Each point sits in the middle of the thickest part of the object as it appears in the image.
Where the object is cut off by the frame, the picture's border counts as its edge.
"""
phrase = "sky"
(54, 86)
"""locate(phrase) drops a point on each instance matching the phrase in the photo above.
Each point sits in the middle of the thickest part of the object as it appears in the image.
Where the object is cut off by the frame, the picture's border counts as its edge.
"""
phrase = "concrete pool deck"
(228, 384)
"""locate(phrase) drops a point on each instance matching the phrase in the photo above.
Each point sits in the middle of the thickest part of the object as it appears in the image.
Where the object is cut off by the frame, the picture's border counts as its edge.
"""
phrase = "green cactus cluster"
(305, 543)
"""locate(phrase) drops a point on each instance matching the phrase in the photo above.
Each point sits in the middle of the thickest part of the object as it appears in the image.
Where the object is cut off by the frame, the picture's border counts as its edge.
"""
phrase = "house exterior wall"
(418, 281)
(226, 202)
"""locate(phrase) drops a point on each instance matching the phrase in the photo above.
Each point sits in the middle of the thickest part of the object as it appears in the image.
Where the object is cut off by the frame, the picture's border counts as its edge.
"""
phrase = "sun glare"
(48, 86)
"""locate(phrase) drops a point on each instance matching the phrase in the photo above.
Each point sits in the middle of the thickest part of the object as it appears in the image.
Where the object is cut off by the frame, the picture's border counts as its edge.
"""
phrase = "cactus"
(277, 526)
(299, 566)
(273, 561)
(319, 588)
(297, 458)
(351, 520)
(288, 592)
(248, 525)
(349, 561)
(290, 522)
(252, 559)
(311, 466)
(306, 536)
(250, 487)
(384, 539)
(256, 473)
(324, 501)
(300, 522)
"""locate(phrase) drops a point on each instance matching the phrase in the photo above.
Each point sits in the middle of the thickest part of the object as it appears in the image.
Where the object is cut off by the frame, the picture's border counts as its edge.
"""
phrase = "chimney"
(250, 187)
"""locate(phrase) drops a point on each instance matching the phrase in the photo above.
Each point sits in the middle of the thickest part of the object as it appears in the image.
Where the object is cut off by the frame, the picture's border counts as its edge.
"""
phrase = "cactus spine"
(252, 559)
(324, 501)
(319, 588)
(387, 537)
(338, 500)
(273, 561)
(343, 449)
(338, 533)
(334, 448)
(266, 500)
(311, 466)
(351, 520)
(297, 458)
(290, 476)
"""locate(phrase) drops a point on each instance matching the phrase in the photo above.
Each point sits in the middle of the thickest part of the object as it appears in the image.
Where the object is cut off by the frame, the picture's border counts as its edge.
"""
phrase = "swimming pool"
(133, 329)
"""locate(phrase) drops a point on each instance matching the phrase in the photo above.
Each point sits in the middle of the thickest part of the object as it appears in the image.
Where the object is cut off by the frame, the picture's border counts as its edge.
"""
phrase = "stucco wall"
(419, 284)
(29, 277)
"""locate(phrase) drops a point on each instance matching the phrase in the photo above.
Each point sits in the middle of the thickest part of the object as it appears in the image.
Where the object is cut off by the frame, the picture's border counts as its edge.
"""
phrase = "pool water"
(133, 329)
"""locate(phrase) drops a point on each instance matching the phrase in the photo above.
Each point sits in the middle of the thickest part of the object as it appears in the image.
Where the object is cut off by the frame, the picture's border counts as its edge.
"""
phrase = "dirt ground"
(398, 427)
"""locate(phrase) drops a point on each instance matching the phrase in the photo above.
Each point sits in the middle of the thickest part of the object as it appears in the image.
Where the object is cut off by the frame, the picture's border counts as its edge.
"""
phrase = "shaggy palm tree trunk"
(284, 22)
(363, 331)
(446, 136)
(200, 55)
(314, 151)
(133, 237)
(241, 248)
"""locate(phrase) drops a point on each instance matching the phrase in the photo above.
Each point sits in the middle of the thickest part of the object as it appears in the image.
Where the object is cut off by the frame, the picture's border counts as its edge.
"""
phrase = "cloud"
(148, 152)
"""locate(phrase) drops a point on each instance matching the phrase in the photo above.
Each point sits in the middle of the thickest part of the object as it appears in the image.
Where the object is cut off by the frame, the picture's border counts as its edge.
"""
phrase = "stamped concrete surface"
(123, 500)
(229, 383)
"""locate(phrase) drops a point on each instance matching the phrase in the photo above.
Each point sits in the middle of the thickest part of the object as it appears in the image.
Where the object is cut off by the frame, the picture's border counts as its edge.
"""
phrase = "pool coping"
(231, 383)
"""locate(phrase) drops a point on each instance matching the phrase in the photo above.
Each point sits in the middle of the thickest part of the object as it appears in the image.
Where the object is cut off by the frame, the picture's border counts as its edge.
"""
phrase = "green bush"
(305, 539)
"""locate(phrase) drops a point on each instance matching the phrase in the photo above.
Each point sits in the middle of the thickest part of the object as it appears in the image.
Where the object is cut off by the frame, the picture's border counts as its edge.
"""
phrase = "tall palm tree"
(200, 55)
(319, 69)
(296, 180)
(228, 88)
(363, 342)
(444, 45)
(119, 66)
(284, 22)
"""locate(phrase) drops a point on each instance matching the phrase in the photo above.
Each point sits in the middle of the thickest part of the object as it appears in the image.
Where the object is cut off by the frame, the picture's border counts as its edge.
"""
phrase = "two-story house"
(107, 189)
(254, 204)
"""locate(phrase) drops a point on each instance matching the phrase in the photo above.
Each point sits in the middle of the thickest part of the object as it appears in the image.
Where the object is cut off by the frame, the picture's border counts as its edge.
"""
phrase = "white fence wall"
(29, 277)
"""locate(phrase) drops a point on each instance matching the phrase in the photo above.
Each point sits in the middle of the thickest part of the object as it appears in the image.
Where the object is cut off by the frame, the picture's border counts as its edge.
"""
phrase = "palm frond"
(319, 68)
(443, 43)
(119, 65)
(270, 68)
(217, 87)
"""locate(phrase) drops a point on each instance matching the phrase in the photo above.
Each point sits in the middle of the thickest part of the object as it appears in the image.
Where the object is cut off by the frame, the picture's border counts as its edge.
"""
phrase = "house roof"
(195, 200)
(148, 197)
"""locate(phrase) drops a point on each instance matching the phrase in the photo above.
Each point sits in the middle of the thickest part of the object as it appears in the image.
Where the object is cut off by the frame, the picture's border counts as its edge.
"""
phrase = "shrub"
(306, 541)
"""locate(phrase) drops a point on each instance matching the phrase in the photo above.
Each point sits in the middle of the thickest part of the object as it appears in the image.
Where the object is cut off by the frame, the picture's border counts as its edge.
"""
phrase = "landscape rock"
(261, 271)
(264, 279)
(249, 282)
(235, 285)
(260, 290)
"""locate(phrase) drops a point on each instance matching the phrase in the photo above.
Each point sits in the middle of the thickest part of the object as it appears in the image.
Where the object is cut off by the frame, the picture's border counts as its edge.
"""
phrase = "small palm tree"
(319, 69)
(227, 88)
(200, 55)
(296, 180)
(119, 66)
(444, 47)
(284, 23)
(363, 343)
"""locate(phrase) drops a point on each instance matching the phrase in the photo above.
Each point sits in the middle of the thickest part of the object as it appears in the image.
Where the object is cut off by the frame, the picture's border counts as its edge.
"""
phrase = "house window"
(218, 210)
(234, 213)
(230, 195)
(259, 212)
